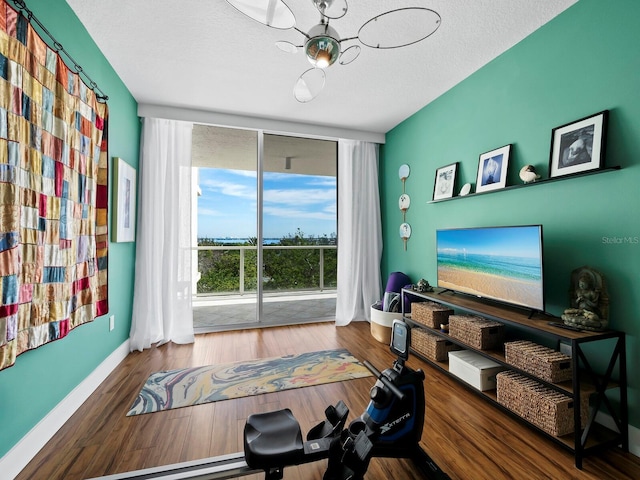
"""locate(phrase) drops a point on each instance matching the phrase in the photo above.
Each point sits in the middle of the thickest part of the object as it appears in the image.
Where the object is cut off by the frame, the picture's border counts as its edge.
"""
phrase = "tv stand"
(586, 378)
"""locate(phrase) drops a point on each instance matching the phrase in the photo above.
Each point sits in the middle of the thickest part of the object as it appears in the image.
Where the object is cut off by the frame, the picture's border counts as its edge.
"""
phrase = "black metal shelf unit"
(585, 380)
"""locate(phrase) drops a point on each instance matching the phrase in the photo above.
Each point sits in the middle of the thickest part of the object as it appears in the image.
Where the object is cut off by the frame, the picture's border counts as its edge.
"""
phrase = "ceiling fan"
(322, 44)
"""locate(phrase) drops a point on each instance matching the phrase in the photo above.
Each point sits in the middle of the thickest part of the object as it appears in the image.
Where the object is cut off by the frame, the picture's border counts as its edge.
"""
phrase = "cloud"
(229, 197)
(274, 176)
(288, 196)
(210, 212)
(299, 196)
(284, 212)
(229, 188)
(332, 209)
(313, 180)
(323, 181)
(244, 173)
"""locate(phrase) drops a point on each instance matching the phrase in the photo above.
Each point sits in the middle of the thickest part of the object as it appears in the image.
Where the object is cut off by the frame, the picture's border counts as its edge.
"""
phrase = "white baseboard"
(21, 454)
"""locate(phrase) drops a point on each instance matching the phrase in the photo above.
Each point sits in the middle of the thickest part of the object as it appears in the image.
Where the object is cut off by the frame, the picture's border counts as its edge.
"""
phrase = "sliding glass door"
(267, 200)
(225, 165)
(299, 229)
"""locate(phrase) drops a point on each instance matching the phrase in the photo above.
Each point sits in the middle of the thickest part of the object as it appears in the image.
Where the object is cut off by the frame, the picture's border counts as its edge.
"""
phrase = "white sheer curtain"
(359, 231)
(162, 309)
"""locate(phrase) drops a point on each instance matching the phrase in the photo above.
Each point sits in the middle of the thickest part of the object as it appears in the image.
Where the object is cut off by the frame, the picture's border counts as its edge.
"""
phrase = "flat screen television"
(497, 263)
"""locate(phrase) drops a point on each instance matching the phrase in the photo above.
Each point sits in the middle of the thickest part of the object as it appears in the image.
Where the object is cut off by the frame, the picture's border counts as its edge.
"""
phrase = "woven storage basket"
(476, 331)
(431, 346)
(431, 314)
(547, 409)
(538, 360)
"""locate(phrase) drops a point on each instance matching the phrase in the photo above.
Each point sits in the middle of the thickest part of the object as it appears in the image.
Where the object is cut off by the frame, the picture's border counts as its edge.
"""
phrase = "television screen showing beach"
(500, 263)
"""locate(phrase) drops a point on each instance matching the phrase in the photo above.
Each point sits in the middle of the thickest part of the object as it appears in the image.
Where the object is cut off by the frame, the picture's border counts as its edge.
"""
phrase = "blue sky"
(520, 241)
(227, 207)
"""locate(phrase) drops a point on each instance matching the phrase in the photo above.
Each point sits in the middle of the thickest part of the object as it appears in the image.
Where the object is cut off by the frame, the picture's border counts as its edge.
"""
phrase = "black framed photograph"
(492, 169)
(578, 146)
(445, 181)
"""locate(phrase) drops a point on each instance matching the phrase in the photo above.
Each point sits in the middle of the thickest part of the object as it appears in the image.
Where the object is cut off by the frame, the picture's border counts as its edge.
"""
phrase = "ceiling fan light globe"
(287, 46)
(349, 55)
(323, 59)
(322, 51)
(309, 85)
(272, 13)
(331, 8)
(323, 47)
(399, 28)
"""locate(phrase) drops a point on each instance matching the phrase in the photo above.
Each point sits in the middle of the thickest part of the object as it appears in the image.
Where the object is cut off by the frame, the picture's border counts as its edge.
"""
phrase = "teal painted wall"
(41, 378)
(583, 61)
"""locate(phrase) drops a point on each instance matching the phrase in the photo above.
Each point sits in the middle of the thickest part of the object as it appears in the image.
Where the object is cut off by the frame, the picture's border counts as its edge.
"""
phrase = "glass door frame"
(260, 233)
(258, 321)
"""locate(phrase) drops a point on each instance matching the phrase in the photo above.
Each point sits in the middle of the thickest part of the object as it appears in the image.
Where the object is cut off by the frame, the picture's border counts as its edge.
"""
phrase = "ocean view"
(519, 268)
(239, 241)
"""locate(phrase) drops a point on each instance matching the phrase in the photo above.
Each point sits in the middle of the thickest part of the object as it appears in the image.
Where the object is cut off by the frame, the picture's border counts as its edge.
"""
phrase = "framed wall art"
(578, 146)
(124, 201)
(492, 169)
(445, 181)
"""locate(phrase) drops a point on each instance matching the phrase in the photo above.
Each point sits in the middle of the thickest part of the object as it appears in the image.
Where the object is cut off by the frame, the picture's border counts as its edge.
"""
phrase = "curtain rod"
(22, 7)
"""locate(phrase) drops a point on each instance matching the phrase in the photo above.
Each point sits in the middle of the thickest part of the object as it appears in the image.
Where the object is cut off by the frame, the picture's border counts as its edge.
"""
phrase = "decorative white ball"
(528, 174)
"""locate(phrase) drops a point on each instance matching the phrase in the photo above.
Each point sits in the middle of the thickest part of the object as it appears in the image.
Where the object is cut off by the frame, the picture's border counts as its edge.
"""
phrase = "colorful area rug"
(194, 386)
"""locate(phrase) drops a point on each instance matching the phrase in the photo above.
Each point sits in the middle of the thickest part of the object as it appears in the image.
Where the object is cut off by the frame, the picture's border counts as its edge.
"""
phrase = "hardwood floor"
(465, 435)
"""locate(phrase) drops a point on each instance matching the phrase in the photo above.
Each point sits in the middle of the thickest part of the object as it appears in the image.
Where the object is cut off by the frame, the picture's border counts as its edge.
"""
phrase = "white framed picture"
(445, 181)
(124, 202)
(492, 169)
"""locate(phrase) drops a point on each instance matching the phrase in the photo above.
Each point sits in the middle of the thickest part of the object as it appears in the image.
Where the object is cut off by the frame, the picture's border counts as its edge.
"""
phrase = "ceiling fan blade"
(309, 85)
(287, 46)
(349, 55)
(272, 13)
(399, 28)
(331, 8)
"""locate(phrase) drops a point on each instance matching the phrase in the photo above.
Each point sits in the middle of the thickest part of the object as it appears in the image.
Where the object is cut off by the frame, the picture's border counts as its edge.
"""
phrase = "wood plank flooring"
(465, 435)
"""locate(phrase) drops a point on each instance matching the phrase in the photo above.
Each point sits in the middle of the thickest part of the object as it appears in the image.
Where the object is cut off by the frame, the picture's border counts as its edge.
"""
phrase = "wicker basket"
(476, 331)
(547, 409)
(431, 314)
(538, 360)
(431, 346)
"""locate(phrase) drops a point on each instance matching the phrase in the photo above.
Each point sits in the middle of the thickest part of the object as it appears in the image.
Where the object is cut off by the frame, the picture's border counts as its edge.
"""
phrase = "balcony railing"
(233, 269)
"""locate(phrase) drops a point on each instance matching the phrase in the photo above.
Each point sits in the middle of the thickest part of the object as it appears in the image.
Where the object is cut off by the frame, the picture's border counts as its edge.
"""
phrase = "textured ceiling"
(205, 55)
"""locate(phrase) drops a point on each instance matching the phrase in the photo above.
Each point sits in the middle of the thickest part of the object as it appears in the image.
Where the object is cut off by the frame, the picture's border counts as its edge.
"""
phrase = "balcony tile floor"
(234, 311)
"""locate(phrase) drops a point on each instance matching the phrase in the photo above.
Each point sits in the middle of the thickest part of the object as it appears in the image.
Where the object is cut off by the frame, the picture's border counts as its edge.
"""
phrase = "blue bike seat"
(273, 440)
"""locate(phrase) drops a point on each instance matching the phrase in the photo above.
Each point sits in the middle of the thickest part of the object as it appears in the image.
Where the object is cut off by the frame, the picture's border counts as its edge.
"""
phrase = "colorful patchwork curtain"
(53, 193)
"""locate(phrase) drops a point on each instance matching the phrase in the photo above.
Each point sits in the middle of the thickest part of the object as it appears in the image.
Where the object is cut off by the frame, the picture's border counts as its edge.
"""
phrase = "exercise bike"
(391, 426)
